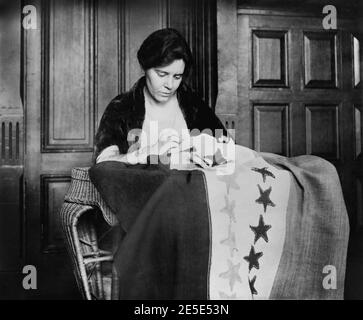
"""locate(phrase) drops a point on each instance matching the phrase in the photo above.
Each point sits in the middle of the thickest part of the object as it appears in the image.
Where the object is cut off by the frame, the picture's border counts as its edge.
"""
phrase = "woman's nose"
(168, 83)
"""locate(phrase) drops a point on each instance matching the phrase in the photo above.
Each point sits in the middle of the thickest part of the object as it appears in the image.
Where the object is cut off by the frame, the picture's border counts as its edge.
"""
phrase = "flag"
(266, 230)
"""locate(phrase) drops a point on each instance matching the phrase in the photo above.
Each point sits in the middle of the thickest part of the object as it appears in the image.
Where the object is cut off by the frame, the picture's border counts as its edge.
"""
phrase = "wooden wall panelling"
(269, 70)
(151, 14)
(355, 45)
(322, 131)
(203, 41)
(11, 140)
(108, 68)
(211, 76)
(228, 65)
(227, 46)
(66, 58)
(346, 117)
(324, 86)
(67, 76)
(32, 100)
(357, 69)
(356, 65)
(11, 149)
(53, 189)
(356, 83)
(320, 59)
(358, 134)
(358, 137)
(179, 16)
(271, 128)
(10, 55)
(206, 50)
(359, 207)
(195, 20)
(11, 218)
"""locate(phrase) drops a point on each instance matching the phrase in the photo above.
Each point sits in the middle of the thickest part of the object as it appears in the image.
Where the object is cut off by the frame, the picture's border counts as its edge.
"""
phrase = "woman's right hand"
(167, 144)
(162, 148)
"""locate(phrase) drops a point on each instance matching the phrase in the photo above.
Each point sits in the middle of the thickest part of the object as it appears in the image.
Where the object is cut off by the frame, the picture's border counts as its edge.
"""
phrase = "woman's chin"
(163, 99)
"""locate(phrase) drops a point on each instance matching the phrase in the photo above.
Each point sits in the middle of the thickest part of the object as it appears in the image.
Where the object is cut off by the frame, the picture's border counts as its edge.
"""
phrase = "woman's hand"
(206, 149)
(168, 143)
(164, 147)
(204, 145)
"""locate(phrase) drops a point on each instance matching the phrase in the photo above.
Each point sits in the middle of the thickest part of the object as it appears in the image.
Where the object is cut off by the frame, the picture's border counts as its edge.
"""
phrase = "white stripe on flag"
(233, 209)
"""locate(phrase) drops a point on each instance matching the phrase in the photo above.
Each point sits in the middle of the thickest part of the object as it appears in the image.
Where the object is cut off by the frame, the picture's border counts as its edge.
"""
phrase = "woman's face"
(162, 82)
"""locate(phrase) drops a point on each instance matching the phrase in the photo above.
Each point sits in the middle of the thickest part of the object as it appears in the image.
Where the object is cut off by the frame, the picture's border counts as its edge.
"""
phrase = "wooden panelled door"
(80, 56)
(303, 91)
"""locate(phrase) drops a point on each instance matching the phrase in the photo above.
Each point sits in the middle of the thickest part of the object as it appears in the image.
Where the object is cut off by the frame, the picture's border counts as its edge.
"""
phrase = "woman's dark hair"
(162, 47)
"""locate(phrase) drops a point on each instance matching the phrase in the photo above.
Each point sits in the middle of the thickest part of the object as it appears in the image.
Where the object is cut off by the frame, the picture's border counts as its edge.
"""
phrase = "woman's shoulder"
(121, 105)
(127, 102)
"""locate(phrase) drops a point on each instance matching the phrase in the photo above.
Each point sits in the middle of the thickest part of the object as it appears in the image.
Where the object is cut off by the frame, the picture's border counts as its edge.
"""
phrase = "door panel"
(269, 70)
(67, 66)
(323, 121)
(320, 59)
(271, 128)
(53, 188)
(297, 89)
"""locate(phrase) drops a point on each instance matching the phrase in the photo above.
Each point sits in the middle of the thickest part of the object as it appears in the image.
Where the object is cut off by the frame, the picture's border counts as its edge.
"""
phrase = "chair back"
(82, 191)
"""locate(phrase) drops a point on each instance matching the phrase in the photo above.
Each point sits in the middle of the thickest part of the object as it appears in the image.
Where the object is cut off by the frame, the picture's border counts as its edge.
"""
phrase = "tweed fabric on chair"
(81, 212)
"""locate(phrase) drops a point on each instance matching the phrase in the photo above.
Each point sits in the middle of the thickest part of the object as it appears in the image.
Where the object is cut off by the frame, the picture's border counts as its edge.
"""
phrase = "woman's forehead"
(177, 67)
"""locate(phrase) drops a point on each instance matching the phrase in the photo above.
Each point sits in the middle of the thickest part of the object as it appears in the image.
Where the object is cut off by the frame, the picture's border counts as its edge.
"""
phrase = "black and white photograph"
(181, 150)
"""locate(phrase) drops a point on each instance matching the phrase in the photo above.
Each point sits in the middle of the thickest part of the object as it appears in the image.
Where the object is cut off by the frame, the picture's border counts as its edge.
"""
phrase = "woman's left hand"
(204, 145)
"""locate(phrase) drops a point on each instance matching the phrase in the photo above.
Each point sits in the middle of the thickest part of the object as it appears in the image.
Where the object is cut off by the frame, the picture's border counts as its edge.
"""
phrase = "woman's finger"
(169, 146)
(196, 159)
(174, 139)
(186, 145)
(205, 144)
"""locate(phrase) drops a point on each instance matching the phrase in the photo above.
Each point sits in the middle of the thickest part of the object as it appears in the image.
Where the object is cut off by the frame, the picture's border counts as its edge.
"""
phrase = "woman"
(155, 116)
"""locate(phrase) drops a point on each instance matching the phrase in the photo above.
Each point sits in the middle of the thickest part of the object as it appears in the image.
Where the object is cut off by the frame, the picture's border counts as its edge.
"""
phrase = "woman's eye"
(177, 77)
(161, 74)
